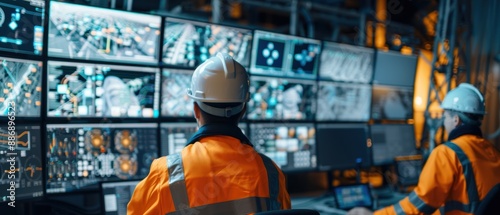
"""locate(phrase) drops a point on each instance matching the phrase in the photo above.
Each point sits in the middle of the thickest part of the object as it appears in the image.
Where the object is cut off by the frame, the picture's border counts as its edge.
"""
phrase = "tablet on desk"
(351, 196)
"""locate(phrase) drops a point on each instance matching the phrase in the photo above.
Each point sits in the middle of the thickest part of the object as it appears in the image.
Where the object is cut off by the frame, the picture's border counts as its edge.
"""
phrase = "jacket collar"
(463, 130)
(214, 129)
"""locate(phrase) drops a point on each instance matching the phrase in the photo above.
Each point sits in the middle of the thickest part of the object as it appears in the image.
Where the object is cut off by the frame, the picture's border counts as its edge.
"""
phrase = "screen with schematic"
(174, 99)
(189, 43)
(21, 166)
(347, 63)
(96, 90)
(343, 101)
(21, 26)
(392, 140)
(392, 103)
(343, 146)
(284, 55)
(292, 146)
(279, 98)
(79, 156)
(21, 87)
(92, 33)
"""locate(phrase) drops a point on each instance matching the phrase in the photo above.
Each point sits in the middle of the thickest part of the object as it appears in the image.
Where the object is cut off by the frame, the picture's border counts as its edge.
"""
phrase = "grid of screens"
(392, 103)
(20, 87)
(395, 69)
(291, 146)
(93, 90)
(343, 146)
(341, 62)
(115, 196)
(284, 55)
(79, 156)
(279, 98)
(21, 26)
(390, 141)
(21, 169)
(343, 101)
(174, 100)
(188, 43)
(91, 33)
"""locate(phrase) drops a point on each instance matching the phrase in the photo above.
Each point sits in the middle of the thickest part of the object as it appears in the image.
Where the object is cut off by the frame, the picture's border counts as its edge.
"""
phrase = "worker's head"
(219, 88)
(463, 105)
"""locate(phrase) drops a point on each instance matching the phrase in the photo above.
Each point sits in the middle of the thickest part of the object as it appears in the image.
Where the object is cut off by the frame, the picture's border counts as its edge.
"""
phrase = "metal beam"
(216, 11)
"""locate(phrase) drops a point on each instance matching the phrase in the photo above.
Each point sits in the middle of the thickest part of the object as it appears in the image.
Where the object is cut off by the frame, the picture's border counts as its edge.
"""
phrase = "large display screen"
(341, 62)
(392, 103)
(20, 87)
(95, 90)
(79, 156)
(291, 146)
(390, 141)
(278, 98)
(21, 166)
(343, 146)
(284, 55)
(174, 99)
(21, 26)
(343, 101)
(395, 69)
(188, 43)
(92, 33)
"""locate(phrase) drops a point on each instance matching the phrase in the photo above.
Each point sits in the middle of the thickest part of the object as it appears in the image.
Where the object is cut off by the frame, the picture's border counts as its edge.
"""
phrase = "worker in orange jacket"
(219, 171)
(458, 173)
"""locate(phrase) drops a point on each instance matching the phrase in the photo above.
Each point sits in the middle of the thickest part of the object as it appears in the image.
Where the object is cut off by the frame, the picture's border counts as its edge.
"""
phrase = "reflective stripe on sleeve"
(176, 181)
(398, 209)
(420, 204)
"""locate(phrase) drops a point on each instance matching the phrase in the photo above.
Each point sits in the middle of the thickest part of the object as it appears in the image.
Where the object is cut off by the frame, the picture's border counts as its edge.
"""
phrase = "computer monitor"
(21, 87)
(284, 55)
(392, 103)
(189, 43)
(395, 69)
(175, 135)
(96, 90)
(115, 196)
(21, 26)
(292, 146)
(392, 140)
(347, 63)
(91, 33)
(343, 101)
(79, 156)
(343, 146)
(174, 99)
(279, 98)
(20, 162)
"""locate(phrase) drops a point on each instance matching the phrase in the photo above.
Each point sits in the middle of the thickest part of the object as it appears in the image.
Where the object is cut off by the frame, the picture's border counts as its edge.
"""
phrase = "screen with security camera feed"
(20, 163)
(284, 55)
(343, 101)
(79, 156)
(21, 26)
(21, 87)
(292, 146)
(92, 33)
(347, 63)
(392, 103)
(279, 98)
(392, 140)
(97, 90)
(174, 99)
(395, 69)
(189, 43)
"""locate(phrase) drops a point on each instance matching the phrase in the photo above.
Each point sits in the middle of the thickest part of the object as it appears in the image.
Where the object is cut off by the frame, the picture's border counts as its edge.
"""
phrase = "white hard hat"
(220, 79)
(465, 98)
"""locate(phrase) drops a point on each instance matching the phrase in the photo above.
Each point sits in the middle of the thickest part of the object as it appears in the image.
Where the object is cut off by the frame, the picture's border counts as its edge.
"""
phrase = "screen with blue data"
(351, 196)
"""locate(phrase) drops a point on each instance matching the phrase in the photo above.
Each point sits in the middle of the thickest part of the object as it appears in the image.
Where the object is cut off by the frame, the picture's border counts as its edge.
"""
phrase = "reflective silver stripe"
(398, 209)
(420, 204)
(176, 181)
(274, 183)
(240, 206)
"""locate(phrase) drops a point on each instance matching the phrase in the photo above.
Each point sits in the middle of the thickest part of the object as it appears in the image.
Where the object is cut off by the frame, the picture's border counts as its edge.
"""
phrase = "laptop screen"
(115, 196)
(350, 196)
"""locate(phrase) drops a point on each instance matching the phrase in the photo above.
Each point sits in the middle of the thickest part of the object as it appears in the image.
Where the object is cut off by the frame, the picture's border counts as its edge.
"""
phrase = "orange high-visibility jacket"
(216, 175)
(455, 178)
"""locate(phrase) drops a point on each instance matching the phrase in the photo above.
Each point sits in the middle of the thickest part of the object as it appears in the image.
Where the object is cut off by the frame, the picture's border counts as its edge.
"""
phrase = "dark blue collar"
(219, 129)
(463, 130)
